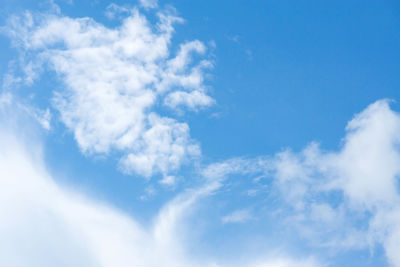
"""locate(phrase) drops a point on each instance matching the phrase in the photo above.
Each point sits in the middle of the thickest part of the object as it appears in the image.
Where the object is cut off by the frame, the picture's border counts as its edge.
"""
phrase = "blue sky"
(199, 133)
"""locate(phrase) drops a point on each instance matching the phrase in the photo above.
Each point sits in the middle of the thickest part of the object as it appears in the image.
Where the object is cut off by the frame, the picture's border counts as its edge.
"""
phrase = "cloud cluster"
(346, 199)
(357, 183)
(115, 84)
(115, 80)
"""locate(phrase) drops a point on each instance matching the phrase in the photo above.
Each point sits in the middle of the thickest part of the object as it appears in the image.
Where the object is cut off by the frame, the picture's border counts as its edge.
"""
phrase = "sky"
(199, 133)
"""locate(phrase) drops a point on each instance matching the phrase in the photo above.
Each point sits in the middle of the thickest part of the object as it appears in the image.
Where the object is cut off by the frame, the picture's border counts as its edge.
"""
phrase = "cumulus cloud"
(164, 145)
(114, 80)
(342, 199)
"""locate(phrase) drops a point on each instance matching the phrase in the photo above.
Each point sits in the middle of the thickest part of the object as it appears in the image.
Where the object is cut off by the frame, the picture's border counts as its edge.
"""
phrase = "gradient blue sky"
(272, 140)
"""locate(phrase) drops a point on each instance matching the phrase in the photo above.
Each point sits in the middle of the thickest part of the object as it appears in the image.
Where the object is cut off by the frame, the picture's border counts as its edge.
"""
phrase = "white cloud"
(221, 170)
(340, 199)
(44, 224)
(238, 216)
(162, 147)
(5, 99)
(114, 79)
(43, 117)
(168, 180)
(192, 100)
(288, 262)
(113, 10)
(370, 161)
(149, 3)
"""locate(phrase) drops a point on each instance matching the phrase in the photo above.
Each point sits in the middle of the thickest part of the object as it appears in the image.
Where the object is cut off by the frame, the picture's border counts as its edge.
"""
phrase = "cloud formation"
(114, 80)
(45, 224)
(117, 85)
(345, 199)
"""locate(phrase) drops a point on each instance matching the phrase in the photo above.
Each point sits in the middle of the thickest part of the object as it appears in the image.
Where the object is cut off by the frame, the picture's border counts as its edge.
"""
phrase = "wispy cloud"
(238, 216)
(149, 3)
(328, 193)
(44, 224)
(113, 10)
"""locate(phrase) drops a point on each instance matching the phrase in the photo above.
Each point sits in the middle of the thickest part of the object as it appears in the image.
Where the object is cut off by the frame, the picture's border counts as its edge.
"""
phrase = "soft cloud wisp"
(44, 224)
(346, 199)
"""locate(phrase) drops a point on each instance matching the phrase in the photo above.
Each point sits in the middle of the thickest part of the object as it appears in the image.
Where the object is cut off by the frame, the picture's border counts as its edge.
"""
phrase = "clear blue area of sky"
(286, 73)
